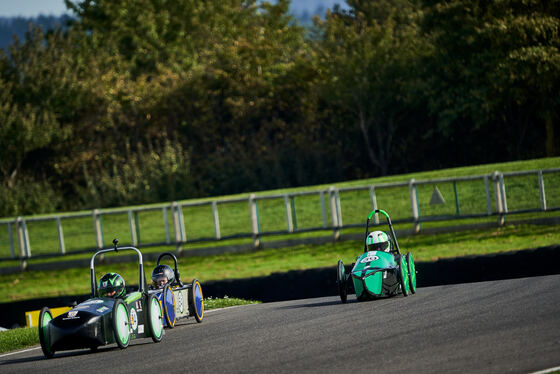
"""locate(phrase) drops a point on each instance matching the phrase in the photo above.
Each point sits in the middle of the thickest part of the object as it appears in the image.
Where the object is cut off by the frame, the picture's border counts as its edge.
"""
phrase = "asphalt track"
(507, 326)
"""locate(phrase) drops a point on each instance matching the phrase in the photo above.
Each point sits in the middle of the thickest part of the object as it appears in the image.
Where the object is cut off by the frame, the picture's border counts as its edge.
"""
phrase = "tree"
(367, 58)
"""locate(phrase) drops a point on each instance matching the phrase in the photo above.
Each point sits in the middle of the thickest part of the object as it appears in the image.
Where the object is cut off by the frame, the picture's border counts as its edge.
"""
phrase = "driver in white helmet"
(378, 241)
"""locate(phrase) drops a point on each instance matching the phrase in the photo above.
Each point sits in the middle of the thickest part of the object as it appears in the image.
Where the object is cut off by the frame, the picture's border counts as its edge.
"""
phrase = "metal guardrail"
(491, 200)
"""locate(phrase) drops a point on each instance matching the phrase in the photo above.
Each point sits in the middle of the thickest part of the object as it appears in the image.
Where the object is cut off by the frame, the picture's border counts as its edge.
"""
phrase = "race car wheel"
(121, 328)
(168, 304)
(403, 276)
(341, 281)
(411, 272)
(155, 318)
(45, 317)
(196, 301)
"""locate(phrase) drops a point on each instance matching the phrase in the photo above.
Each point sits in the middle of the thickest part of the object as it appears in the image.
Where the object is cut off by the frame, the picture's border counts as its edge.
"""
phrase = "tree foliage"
(155, 100)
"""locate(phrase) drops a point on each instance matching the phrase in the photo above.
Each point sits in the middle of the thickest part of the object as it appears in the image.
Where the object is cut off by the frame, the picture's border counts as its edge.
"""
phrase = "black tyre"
(411, 272)
(45, 317)
(196, 301)
(403, 275)
(121, 327)
(155, 318)
(168, 305)
(341, 281)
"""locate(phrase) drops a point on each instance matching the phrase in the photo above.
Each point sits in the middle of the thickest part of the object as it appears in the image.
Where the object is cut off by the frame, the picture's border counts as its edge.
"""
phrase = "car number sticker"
(140, 329)
(133, 319)
(180, 302)
(139, 305)
(370, 257)
(102, 309)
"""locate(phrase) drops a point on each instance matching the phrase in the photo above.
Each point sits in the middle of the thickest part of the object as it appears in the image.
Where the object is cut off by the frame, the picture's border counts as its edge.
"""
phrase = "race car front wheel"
(411, 272)
(403, 276)
(168, 304)
(155, 318)
(341, 281)
(196, 302)
(45, 317)
(121, 329)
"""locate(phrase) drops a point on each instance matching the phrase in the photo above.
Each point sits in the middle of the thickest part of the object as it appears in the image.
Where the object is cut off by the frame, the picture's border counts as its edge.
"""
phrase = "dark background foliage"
(147, 101)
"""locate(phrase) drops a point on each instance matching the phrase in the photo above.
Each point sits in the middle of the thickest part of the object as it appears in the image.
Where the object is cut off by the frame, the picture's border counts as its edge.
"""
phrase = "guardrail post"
(132, 228)
(374, 203)
(488, 198)
(253, 211)
(21, 233)
(216, 217)
(60, 236)
(498, 197)
(323, 208)
(289, 218)
(11, 236)
(98, 227)
(334, 212)
(166, 225)
(414, 205)
(178, 226)
(541, 190)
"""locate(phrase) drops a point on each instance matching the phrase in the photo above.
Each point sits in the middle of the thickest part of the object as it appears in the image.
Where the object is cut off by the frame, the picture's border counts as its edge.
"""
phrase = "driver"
(378, 241)
(111, 285)
(162, 275)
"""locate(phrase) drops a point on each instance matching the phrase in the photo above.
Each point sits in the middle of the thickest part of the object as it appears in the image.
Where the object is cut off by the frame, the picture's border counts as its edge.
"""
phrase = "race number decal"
(371, 256)
(180, 304)
(133, 319)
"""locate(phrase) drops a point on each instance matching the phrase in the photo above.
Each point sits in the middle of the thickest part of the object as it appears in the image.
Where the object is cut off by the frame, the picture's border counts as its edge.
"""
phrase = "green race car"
(380, 271)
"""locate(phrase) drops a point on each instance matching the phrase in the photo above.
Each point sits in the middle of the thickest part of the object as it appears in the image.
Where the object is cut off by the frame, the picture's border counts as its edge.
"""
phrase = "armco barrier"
(300, 284)
(255, 216)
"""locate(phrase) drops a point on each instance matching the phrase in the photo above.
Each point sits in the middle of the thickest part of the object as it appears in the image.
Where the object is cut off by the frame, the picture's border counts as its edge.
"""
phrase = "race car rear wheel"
(411, 272)
(45, 317)
(168, 305)
(341, 281)
(196, 301)
(403, 276)
(121, 329)
(155, 318)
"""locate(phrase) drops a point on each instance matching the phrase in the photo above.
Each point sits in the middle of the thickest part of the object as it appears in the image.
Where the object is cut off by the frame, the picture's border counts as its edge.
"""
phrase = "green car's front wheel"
(155, 318)
(403, 276)
(411, 272)
(121, 330)
(45, 317)
(341, 281)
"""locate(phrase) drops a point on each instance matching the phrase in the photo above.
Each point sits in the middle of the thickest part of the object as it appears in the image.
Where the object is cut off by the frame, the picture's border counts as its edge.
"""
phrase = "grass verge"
(76, 281)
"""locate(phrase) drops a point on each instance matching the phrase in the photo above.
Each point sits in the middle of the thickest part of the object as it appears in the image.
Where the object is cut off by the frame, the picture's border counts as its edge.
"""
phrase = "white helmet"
(378, 241)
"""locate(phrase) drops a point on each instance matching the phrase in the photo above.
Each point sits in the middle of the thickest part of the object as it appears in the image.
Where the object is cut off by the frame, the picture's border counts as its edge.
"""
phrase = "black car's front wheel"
(45, 317)
(121, 329)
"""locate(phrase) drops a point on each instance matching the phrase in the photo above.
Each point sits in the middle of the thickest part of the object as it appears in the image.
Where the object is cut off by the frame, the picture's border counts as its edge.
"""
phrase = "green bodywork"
(370, 272)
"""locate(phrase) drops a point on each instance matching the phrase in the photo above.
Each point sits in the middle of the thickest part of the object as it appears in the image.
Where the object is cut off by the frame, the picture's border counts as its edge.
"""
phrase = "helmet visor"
(378, 246)
(111, 291)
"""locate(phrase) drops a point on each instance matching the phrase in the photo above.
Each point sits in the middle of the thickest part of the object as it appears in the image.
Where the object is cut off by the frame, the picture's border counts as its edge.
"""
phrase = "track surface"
(509, 326)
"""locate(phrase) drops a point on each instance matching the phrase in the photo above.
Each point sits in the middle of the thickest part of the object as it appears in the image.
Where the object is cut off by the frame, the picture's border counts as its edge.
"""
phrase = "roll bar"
(141, 280)
(370, 215)
(175, 269)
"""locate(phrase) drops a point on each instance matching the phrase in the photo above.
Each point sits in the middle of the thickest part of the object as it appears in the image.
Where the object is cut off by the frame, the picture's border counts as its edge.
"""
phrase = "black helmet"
(162, 274)
(111, 285)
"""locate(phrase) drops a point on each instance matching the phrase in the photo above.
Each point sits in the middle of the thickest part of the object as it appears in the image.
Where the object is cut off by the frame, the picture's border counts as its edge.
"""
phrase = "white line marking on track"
(16, 352)
(546, 370)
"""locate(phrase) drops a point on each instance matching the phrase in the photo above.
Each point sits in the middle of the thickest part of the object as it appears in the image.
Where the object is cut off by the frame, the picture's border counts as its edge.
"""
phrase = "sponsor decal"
(180, 304)
(139, 305)
(81, 307)
(133, 319)
(93, 302)
(140, 329)
(73, 314)
(371, 256)
(102, 309)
